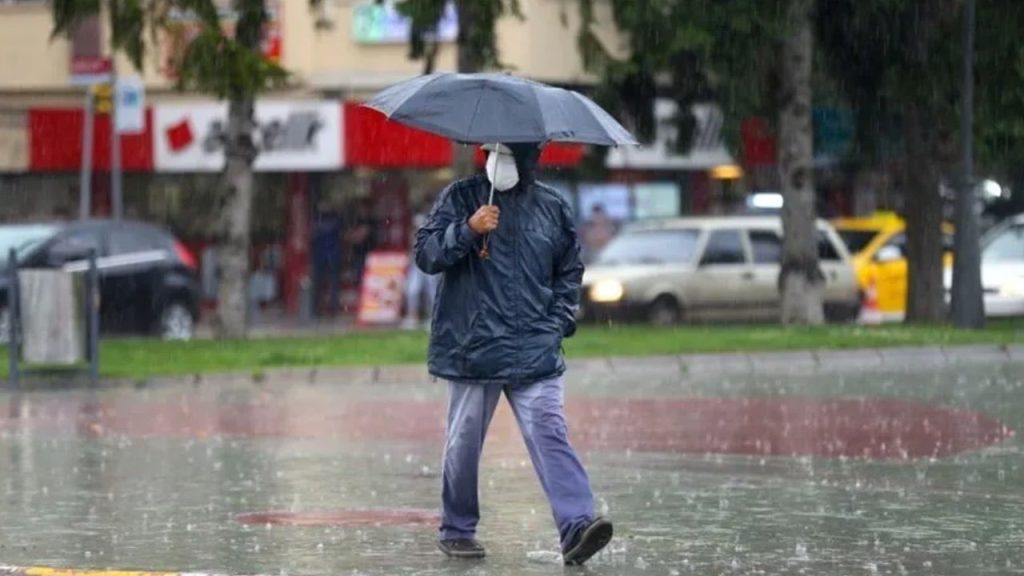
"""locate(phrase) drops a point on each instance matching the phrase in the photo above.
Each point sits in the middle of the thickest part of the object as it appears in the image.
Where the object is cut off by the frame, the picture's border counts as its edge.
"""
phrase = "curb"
(787, 362)
(45, 571)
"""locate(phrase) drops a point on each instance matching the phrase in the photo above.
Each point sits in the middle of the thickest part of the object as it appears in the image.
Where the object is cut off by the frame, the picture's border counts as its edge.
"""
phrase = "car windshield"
(857, 240)
(22, 239)
(1006, 247)
(651, 247)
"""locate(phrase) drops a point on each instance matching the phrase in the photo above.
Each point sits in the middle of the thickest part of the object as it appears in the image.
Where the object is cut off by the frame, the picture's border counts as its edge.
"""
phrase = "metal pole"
(13, 348)
(85, 178)
(93, 318)
(968, 307)
(117, 198)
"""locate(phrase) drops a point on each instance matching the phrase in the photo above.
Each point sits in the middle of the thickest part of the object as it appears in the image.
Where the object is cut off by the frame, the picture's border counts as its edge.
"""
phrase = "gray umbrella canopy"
(483, 108)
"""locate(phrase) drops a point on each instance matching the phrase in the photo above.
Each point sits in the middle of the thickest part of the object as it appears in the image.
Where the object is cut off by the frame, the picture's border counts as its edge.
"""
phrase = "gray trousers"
(539, 410)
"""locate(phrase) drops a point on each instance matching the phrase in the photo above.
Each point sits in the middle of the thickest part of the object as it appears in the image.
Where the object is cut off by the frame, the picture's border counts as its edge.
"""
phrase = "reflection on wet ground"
(867, 473)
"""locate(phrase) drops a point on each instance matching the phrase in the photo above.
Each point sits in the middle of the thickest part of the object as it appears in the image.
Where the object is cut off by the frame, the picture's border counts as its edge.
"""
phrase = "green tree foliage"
(726, 51)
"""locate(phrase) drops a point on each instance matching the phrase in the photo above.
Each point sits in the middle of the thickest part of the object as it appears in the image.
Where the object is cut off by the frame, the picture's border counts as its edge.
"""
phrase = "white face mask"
(502, 171)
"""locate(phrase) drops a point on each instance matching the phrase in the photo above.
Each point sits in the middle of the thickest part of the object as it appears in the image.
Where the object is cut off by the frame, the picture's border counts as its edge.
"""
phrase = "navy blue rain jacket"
(501, 320)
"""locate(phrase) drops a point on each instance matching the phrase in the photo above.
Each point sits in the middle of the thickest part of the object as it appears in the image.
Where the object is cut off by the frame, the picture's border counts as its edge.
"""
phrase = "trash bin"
(53, 322)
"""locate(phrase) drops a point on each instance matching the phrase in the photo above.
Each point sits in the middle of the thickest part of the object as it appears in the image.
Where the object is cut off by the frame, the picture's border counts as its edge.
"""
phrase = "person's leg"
(540, 410)
(470, 408)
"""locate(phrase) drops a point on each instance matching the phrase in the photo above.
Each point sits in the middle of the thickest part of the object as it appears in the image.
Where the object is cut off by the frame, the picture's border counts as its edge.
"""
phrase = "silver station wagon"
(707, 269)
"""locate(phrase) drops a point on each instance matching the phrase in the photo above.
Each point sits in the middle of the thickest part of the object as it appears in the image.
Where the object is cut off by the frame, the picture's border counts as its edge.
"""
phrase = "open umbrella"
(489, 108)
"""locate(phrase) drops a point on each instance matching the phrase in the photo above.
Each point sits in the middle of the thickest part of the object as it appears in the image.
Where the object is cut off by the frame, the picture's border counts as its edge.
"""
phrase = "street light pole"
(968, 308)
(117, 197)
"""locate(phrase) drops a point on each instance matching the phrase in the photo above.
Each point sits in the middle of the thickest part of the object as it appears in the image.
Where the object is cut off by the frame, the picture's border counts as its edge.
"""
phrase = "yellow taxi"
(878, 245)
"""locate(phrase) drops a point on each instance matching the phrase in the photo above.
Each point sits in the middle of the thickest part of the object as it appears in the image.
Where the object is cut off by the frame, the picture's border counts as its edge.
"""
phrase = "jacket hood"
(527, 157)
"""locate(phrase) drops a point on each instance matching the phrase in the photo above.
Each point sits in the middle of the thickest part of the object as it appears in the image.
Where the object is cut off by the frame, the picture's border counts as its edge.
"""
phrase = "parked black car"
(148, 279)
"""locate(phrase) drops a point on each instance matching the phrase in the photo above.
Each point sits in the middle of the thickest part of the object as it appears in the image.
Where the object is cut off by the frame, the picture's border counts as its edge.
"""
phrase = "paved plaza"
(913, 469)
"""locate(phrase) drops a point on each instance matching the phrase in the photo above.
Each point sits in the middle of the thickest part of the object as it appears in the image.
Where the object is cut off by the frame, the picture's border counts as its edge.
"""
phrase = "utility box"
(54, 325)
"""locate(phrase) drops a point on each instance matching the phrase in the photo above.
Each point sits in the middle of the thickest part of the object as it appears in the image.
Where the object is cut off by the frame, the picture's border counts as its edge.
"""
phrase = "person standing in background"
(360, 239)
(597, 233)
(327, 234)
(420, 287)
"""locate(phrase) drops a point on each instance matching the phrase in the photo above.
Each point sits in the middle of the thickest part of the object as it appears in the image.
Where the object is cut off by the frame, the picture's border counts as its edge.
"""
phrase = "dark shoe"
(462, 548)
(590, 541)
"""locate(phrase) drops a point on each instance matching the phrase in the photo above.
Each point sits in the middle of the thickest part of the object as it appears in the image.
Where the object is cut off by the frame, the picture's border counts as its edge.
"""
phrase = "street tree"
(226, 63)
(897, 63)
(801, 280)
(748, 56)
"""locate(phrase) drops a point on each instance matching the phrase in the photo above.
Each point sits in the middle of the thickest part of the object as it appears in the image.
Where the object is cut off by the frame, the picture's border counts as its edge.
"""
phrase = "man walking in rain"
(510, 284)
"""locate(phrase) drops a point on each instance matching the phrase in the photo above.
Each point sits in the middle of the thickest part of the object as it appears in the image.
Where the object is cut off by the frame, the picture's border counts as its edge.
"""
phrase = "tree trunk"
(800, 280)
(923, 206)
(235, 210)
(468, 61)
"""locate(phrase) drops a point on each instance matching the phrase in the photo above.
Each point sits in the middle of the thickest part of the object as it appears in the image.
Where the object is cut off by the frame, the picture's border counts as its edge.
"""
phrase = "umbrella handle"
(484, 253)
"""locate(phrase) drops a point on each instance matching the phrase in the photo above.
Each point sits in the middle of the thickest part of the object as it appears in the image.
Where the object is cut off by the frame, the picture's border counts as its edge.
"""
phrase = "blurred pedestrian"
(360, 238)
(503, 309)
(327, 234)
(420, 287)
(597, 232)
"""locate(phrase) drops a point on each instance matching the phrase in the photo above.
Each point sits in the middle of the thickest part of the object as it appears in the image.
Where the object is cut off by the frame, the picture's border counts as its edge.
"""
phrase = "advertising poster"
(383, 288)
(603, 208)
(656, 200)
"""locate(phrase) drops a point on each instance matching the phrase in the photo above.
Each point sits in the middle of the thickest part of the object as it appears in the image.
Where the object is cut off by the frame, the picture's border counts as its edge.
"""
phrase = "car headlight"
(606, 291)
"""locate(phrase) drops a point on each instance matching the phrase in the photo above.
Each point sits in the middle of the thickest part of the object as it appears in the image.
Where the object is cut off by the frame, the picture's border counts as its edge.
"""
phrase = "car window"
(857, 240)
(826, 249)
(766, 246)
(79, 242)
(22, 239)
(1008, 246)
(651, 247)
(724, 247)
(898, 242)
(947, 242)
(128, 241)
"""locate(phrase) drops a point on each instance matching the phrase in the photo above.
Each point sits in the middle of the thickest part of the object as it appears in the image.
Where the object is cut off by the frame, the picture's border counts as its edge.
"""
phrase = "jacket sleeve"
(445, 238)
(568, 276)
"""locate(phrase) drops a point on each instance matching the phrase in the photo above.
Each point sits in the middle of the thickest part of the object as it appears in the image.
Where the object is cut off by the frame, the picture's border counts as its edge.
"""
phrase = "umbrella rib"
(476, 109)
(407, 97)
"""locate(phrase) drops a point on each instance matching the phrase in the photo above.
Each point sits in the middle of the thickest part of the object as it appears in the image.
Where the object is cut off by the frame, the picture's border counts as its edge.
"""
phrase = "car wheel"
(177, 323)
(664, 311)
(5, 325)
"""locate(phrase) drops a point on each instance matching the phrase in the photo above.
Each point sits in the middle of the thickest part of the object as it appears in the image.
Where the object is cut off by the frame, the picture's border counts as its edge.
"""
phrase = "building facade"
(323, 156)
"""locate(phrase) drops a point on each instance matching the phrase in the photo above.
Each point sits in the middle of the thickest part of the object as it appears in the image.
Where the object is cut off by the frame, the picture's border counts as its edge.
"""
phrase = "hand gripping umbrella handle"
(484, 253)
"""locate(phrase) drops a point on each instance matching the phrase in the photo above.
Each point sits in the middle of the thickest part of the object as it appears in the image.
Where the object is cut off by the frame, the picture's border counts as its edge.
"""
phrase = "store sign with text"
(290, 136)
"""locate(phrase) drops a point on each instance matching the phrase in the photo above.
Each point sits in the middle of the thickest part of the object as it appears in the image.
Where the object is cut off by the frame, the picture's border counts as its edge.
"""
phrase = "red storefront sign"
(55, 142)
(373, 141)
(554, 155)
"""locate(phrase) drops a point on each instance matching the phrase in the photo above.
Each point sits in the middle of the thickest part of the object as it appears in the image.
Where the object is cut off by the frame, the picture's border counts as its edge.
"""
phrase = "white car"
(1002, 268)
(707, 269)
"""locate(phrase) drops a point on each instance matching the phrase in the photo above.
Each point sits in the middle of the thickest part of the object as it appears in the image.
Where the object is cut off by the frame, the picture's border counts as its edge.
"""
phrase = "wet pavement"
(898, 472)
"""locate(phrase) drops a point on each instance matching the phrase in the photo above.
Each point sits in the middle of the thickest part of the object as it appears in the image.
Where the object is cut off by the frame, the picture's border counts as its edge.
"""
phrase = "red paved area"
(872, 427)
